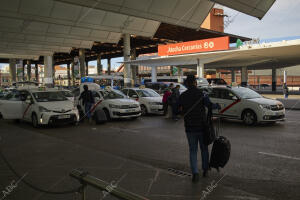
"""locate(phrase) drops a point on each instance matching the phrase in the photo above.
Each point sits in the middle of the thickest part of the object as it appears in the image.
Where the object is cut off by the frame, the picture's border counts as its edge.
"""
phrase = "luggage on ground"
(220, 152)
(100, 116)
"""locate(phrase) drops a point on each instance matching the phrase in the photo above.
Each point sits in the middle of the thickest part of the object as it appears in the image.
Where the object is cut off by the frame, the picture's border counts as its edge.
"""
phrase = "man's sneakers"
(195, 178)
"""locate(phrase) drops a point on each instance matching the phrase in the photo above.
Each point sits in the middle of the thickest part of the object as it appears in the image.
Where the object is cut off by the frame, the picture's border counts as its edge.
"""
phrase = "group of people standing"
(171, 101)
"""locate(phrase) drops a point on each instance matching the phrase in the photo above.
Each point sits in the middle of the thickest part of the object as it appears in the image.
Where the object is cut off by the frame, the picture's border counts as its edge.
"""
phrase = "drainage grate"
(179, 173)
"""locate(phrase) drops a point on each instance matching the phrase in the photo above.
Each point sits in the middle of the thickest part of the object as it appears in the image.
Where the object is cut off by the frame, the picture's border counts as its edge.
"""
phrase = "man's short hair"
(190, 80)
(85, 87)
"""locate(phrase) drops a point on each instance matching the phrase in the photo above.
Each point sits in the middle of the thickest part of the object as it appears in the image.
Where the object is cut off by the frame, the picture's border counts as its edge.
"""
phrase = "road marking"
(241, 197)
(279, 155)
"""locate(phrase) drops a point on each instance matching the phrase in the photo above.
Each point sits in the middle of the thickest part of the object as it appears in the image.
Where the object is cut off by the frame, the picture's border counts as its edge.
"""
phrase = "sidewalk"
(48, 162)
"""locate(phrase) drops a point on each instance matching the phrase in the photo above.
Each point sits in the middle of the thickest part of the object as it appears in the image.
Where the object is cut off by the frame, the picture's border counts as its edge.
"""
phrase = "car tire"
(34, 121)
(97, 117)
(1, 117)
(249, 117)
(107, 114)
(144, 110)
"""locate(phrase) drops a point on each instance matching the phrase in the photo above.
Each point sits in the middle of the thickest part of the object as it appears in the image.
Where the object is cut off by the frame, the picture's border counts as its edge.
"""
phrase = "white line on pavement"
(279, 155)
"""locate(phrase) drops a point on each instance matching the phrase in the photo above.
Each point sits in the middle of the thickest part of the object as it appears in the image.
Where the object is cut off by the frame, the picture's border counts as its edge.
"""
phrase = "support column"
(284, 76)
(69, 74)
(180, 75)
(153, 74)
(274, 77)
(244, 74)
(48, 71)
(87, 68)
(28, 70)
(36, 72)
(200, 69)
(73, 72)
(126, 51)
(99, 65)
(108, 66)
(13, 70)
(23, 71)
(134, 68)
(82, 62)
(232, 76)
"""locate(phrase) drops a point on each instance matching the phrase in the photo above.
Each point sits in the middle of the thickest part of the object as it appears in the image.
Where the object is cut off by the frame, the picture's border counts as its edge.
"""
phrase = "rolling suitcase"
(220, 152)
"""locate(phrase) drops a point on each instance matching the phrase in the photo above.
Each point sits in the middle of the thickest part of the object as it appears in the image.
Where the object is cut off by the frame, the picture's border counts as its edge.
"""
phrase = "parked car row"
(55, 106)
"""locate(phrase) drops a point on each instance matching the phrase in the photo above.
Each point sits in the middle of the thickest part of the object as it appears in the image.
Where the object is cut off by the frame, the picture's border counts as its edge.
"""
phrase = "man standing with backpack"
(192, 105)
(87, 101)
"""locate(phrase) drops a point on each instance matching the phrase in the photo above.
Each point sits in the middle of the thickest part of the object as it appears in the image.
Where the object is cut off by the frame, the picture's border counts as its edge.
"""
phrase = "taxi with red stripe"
(41, 106)
(247, 105)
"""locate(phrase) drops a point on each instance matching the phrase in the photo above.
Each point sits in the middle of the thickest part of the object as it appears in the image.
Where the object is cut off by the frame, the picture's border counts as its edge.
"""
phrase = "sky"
(282, 22)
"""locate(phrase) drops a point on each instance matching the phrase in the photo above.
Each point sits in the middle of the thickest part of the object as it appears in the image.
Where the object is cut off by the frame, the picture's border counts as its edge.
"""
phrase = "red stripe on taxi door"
(229, 106)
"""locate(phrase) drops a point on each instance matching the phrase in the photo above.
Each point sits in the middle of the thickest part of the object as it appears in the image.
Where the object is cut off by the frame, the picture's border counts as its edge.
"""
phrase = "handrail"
(87, 179)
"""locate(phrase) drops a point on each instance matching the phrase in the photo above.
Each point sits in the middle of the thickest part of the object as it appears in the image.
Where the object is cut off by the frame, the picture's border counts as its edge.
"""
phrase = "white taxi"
(247, 105)
(40, 106)
(150, 101)
(113, 102)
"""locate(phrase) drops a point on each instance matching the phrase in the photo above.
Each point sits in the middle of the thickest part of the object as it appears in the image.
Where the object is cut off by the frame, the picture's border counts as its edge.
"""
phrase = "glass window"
(125, 91)
(147, 93)
(49, 96)
(131, 93)
(95, 94)
(246, 93)
(114, 94)
(76, 92)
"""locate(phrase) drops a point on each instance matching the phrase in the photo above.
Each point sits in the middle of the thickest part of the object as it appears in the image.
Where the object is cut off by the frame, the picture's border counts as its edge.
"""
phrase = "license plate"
(64, 116)
(129, 110)
(279, 113)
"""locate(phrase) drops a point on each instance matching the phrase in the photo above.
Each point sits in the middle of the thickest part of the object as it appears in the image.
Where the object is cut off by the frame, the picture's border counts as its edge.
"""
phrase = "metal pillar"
(126, 51)
(48, 71)
(69, 74)
(99, 65)
(82, 62)
(28, 70)
(73, 72)
(154, 74)
(200, 69)
(108, 66)
(36, 69)
(274, 77)
(87, 68)
(23, 71)
(13, 70)
(180, 74)
(232, 76)
(244, 76)
(284, 76)
(134, 68)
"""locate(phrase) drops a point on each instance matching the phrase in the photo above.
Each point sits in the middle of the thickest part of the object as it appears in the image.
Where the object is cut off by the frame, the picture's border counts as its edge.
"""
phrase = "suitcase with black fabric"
(220, 152)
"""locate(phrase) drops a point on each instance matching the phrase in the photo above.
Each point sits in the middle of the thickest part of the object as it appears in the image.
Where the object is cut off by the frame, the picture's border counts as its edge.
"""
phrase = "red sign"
(213, 44)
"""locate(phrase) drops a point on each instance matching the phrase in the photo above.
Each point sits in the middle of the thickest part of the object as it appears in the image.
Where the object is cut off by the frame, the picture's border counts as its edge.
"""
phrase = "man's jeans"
(195, 138)
(87, 108)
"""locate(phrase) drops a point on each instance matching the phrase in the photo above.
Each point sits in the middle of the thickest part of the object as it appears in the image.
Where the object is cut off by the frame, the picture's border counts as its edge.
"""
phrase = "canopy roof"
(44, 27)
(256, 56)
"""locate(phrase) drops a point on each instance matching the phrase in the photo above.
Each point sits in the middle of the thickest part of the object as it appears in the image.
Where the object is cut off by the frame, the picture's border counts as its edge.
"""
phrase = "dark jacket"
(87, 97)
(175, 96)
(192, 103)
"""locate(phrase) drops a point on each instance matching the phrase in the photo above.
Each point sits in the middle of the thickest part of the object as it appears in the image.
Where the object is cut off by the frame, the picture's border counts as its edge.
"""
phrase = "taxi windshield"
(49, 96)
(147, 93)
(246, 93)
(67, 93)
(113, 94)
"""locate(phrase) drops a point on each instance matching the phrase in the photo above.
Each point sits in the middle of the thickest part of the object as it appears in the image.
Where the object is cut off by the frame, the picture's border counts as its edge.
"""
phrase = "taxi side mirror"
(135, 96)
(97, 99)
(234, 98)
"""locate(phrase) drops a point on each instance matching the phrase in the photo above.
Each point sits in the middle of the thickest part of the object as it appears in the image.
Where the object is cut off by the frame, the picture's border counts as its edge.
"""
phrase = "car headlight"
(114, 106)
(264, 106)
(43, 109)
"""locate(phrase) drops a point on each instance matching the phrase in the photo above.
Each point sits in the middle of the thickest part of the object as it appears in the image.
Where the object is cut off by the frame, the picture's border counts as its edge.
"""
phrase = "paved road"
(264, 164)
